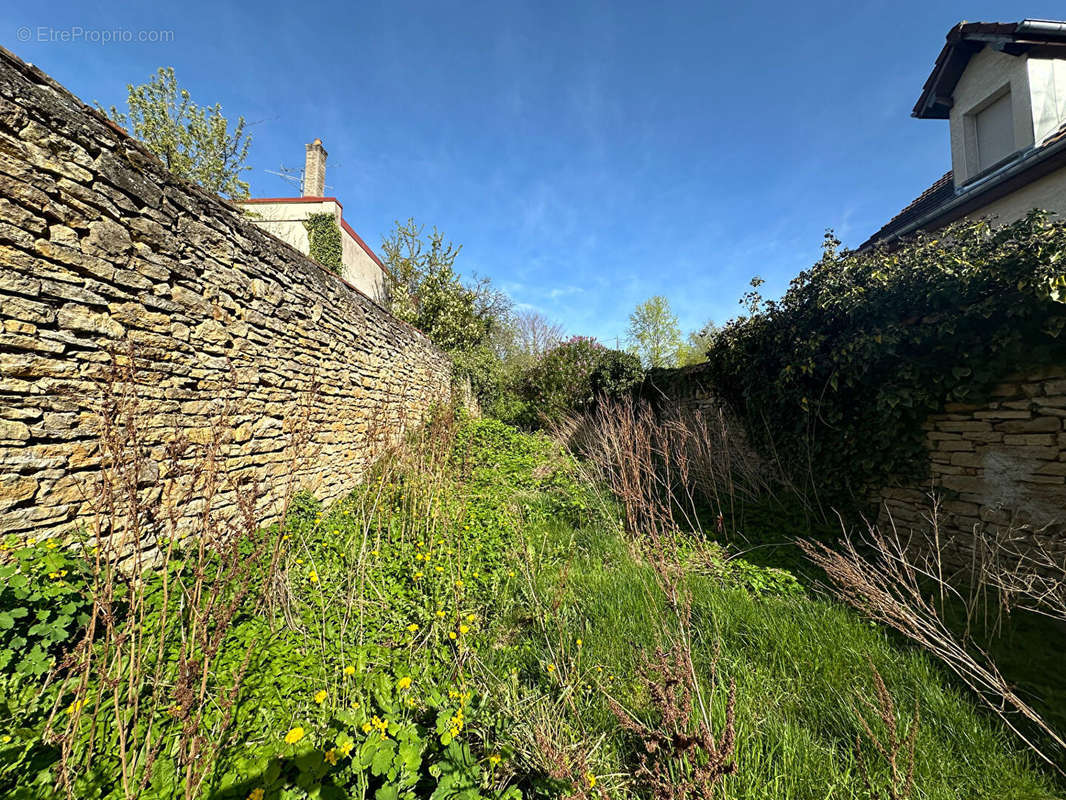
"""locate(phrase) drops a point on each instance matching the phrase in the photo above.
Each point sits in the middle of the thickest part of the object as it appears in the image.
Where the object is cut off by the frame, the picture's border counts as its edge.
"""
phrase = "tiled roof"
(968, 38)
(943, 192)
(932, 198)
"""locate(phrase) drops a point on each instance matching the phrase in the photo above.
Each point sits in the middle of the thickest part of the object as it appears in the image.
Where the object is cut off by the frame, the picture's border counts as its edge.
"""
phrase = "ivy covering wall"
(325, 239)
(838, 377)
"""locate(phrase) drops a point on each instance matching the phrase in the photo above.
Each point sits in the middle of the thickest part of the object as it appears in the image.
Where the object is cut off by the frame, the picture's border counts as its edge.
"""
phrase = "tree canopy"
(194, 142)
(653, 334)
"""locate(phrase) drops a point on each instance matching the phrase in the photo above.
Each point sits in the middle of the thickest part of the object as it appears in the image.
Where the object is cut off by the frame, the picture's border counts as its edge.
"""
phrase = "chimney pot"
(315, 169)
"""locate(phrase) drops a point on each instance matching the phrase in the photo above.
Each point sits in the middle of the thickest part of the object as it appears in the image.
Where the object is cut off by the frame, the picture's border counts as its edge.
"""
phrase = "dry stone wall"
(995, 468)
(236, 337)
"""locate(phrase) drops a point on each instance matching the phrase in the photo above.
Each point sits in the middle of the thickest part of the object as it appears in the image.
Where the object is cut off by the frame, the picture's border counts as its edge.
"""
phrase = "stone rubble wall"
(996, 468)
(105, 255)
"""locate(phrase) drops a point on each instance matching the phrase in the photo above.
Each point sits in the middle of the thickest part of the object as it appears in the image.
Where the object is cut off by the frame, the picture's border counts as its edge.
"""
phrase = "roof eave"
(1033, 166)
(965, 39)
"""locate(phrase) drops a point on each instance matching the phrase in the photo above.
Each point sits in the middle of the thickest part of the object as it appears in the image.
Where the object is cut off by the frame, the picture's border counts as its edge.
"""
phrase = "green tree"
(425, 290)
(654, 335)
(193, 142)
(466, 320)
(698, 343)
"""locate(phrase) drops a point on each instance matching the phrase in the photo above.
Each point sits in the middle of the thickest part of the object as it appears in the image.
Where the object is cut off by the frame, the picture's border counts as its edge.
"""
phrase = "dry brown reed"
(667, 466)
(678, 754)
(903, 583)
(895, 747)
(176, 550)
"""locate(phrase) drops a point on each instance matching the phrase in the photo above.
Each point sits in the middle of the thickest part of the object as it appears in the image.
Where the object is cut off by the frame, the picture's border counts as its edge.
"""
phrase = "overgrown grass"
(468, 624)
(801, 666)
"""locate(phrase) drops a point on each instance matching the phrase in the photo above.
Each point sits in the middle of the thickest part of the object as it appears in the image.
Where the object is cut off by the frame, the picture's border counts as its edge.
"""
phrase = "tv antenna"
(296, 176)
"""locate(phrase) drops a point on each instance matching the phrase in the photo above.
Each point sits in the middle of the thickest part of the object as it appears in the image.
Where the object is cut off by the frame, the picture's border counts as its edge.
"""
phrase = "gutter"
(1047, 157)
(1044, 26)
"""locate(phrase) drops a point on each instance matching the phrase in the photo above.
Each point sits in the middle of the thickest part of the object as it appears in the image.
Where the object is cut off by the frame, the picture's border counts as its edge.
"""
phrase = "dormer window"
(994, 131)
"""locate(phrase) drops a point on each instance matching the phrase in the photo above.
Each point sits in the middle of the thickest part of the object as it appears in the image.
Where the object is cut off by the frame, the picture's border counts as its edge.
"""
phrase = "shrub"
(839, 375)
(569, 378)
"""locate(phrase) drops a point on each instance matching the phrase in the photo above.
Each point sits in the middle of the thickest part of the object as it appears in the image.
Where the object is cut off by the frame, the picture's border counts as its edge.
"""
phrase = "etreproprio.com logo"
(47, 34)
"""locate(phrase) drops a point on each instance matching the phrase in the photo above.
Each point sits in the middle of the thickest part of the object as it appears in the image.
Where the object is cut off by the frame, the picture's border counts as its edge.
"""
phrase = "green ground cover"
(469, 623)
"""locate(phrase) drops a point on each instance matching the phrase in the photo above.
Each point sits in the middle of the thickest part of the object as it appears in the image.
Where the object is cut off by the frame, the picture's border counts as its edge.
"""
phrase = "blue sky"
(587, 155)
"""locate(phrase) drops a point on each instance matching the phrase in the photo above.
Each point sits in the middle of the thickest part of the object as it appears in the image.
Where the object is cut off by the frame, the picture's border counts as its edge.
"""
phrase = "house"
(1002, 88)
(285, 216)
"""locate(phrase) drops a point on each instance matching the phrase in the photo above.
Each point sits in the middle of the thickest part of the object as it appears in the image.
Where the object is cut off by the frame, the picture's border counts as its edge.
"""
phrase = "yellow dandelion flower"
(550, 668)
(440, 613)
(451, 634)
(367, 727)
(5, 738)
(590, 779)
(510, 574)
(256, 794)
(312, 576)
(412, 627)
(294, 735)
(354, 704)
(459, 584)
(470, 618)
(375, 553)
(77, 705)
(404, 683)
(419, 576)
(439, 568)
(464, 629)
(320, 696)
(494, 759)
(51, 544)
(299, 561)
(345, 749)
(331, 756)
(579, 643)
(349, 671)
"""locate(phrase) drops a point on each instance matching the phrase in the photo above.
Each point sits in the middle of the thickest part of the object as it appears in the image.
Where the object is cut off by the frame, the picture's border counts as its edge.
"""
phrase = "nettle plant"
(838, 376)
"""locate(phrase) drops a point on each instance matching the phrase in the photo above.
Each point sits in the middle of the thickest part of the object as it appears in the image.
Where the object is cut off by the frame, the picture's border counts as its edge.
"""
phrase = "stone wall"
(994, 467)
(104, 255)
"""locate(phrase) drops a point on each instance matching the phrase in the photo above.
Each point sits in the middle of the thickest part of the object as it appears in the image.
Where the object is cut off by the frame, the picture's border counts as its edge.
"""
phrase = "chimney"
(315, 170)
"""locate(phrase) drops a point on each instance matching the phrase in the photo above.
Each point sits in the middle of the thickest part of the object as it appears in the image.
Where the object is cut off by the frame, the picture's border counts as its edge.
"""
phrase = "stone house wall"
(105, 256)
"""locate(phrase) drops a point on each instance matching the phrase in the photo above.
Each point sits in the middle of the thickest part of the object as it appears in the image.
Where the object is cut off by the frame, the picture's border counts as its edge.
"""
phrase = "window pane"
(995, 132)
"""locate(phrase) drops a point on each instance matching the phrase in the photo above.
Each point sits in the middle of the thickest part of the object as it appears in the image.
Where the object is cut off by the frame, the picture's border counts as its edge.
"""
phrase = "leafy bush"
(839, 376)
(569, 378)
(43, 605)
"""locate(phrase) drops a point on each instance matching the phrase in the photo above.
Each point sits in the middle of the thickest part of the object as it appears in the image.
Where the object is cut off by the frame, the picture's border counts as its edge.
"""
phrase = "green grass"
(490, 579)
(801, 666)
